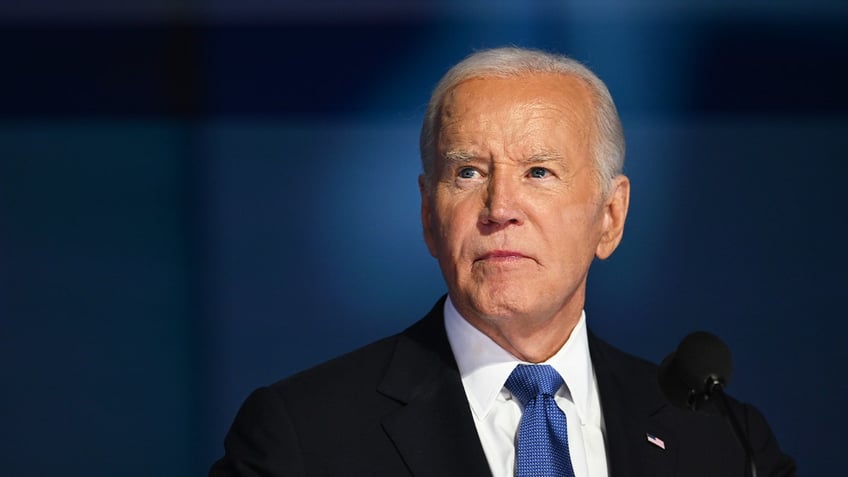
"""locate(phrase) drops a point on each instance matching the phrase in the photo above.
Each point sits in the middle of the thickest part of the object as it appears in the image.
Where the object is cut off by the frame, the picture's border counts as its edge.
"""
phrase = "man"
(522, 188)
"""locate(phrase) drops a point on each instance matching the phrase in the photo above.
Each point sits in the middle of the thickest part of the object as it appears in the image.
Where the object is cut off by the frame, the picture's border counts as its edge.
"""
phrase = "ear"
(426, 215)
(615, 213)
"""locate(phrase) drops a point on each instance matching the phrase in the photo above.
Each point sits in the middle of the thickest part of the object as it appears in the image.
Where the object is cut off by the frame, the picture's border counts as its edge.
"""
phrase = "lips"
(501, 256)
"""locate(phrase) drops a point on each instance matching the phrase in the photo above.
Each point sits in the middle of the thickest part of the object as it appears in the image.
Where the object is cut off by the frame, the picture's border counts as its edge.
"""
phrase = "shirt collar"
(484, 366)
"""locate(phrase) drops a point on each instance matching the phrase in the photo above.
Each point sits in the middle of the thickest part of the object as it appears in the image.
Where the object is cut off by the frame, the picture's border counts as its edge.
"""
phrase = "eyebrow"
(458, 156)
(542, 156)
(462, 156)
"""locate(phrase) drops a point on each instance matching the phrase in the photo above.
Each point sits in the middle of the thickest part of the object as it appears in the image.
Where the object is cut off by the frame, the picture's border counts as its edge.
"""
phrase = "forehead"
(539, 105)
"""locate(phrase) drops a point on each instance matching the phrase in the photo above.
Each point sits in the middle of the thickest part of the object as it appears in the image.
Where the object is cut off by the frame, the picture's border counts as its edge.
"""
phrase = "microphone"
(695, 375)
(691, 374)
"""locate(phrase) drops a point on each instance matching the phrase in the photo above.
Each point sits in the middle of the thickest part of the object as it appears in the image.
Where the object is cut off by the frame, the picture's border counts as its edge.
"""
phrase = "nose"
(502, 202)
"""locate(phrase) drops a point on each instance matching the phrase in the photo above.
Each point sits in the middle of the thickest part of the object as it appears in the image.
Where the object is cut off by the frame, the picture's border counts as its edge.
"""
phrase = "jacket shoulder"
(363, 367)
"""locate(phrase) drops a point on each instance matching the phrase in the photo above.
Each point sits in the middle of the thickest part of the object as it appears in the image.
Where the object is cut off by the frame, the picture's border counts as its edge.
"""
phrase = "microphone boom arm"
(715, 392)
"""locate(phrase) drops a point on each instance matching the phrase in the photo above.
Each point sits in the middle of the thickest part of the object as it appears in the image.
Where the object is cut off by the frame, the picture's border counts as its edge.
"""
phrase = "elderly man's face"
(515, 214)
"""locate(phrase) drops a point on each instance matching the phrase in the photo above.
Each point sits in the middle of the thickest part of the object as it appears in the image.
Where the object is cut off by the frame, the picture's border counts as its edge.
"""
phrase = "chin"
(504, 304)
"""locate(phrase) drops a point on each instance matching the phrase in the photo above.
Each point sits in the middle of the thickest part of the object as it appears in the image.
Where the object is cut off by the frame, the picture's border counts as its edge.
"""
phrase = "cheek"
(577, 232)
(439, 231)
(452, 238)
(457, 238)
(454, 220)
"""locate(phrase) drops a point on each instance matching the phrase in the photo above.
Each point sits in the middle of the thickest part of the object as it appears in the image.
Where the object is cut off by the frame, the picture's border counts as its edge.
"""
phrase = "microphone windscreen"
(686, 374)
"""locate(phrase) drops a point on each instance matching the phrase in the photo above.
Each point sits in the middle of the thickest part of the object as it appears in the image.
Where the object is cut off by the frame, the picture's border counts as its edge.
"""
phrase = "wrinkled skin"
(515, 214)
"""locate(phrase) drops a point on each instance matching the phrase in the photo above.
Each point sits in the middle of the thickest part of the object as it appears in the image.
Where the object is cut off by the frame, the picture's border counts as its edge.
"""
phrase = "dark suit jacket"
(397, 407)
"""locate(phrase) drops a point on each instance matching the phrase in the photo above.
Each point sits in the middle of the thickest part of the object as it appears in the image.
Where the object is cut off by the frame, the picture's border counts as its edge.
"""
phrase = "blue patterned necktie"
(542, 449)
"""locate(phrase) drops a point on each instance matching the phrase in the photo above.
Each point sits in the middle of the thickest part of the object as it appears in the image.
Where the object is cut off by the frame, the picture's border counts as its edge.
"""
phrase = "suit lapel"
(630, 404)
(434, 431)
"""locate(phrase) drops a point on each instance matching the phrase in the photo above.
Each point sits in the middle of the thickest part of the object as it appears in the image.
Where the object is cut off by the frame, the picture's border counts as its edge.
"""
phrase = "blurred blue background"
(201, 197)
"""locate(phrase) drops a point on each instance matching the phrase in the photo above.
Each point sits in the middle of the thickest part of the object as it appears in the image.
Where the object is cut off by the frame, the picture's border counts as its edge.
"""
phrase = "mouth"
(501, 256)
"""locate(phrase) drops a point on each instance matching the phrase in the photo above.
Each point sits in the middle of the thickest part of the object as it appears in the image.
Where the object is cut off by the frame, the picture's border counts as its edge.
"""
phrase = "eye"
(467, 173)
(539, 173)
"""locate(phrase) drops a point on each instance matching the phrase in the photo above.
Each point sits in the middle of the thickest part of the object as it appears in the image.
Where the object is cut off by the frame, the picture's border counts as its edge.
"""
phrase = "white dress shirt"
(485, 366)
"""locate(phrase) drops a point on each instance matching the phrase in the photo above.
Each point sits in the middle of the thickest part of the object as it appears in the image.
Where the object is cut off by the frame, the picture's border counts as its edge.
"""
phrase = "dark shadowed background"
(201, 197)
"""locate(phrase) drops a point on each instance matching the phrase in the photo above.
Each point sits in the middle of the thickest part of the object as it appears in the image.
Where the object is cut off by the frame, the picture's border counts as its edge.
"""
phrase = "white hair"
(608, 144)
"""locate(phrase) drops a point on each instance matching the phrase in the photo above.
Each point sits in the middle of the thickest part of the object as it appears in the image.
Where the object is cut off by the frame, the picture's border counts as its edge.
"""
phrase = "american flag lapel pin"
(655, 441)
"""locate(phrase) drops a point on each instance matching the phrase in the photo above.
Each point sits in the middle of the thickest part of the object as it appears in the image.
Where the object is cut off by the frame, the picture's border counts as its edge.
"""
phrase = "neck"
(529, 340)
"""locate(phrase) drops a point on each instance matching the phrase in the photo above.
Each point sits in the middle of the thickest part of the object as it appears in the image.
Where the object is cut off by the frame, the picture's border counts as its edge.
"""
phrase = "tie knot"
(529, 381)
